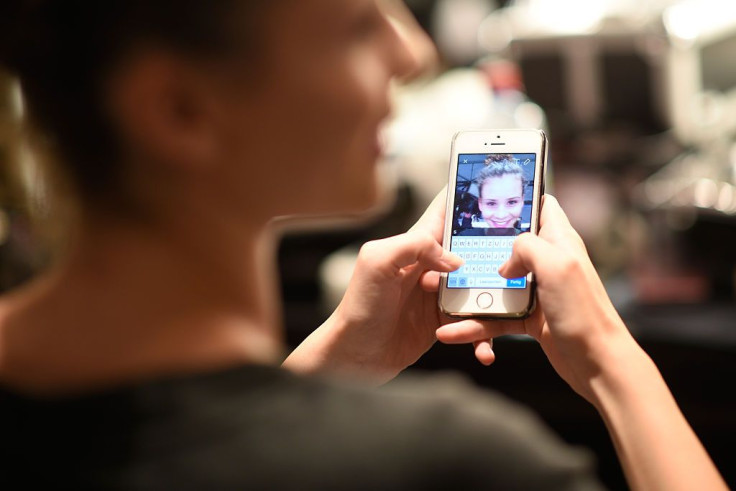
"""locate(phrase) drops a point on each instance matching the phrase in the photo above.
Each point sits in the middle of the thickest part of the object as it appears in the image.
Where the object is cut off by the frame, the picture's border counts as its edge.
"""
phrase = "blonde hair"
(498, 165)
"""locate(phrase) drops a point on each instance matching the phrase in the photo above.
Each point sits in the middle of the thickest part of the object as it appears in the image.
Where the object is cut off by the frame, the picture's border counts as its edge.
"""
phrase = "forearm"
(312, 356)
(657, 447)
(325, 352)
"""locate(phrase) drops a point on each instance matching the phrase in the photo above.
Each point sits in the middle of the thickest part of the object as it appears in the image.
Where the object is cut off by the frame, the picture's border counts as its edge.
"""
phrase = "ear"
(166, 110)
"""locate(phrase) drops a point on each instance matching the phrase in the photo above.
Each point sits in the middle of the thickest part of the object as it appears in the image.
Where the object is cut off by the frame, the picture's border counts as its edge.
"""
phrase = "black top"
(264, 428)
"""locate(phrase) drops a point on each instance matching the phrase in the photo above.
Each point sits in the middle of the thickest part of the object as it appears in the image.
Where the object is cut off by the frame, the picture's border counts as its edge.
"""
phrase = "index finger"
(556, 228)
(552, 212)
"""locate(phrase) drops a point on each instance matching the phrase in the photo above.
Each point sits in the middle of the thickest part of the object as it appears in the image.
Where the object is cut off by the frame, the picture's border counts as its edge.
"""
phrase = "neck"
(136, 299)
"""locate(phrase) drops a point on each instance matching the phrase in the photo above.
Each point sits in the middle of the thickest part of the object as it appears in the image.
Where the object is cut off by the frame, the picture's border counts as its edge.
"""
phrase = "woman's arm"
(389, 316)
(589, 346)
(657, 447)
(386, 319)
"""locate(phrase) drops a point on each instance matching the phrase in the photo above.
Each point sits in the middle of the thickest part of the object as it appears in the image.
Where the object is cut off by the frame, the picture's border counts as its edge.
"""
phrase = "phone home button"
(484, 300)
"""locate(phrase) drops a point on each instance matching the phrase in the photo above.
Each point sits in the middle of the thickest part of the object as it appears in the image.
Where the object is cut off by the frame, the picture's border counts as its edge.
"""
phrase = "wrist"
(654, 442)
(329, 351)
(350, 355)
(625, 373)
(601, 357)
(314, 354)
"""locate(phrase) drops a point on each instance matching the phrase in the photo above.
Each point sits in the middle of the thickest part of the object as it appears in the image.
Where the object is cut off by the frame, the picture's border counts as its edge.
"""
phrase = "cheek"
(317, 134)
(329, 125)
(486, 210)
(354, 106)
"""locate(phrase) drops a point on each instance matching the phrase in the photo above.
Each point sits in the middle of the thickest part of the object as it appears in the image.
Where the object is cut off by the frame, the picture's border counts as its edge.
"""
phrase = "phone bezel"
(507, 303)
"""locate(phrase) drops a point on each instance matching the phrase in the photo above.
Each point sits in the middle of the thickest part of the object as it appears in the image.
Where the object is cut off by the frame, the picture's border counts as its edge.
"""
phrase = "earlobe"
(164, 109)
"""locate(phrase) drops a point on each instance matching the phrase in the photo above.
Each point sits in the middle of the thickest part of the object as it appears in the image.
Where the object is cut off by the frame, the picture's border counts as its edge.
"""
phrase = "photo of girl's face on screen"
(493, 204)
(494, 194)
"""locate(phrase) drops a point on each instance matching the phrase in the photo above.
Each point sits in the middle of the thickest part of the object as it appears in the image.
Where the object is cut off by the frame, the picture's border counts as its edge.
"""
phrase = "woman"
(146, 357)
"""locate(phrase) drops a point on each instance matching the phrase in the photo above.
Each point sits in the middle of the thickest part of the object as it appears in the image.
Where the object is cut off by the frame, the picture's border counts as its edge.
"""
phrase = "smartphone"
(494, 193)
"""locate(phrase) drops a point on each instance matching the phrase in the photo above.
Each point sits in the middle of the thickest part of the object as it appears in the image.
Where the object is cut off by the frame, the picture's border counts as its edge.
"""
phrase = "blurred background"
(638, 99)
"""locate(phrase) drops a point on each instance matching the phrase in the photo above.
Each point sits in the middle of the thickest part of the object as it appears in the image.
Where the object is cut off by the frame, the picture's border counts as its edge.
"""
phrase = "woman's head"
(259, 101)
(64, 52)
(501, 186)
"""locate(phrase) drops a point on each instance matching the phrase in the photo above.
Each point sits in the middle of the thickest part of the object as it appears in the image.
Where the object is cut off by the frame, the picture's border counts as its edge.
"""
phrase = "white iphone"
(494, 194)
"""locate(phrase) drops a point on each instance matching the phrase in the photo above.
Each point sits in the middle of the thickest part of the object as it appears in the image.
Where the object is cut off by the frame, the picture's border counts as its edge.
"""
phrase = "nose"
(413, 52)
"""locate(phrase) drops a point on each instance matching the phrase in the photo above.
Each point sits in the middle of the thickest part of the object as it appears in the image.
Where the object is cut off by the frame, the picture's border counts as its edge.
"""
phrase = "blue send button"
(516, 283)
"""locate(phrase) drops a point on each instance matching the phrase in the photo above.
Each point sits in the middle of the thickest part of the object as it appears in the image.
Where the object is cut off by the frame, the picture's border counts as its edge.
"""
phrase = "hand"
(589, 346)
(389, 314)
(575, 322)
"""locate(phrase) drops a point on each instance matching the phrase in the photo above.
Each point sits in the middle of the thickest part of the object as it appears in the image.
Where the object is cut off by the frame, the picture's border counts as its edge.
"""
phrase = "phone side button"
(484, 300)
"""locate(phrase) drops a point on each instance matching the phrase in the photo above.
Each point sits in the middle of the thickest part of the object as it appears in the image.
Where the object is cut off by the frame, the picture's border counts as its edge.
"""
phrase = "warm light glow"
(571, 16)
(705, 193)
(16, 101)
(725, 198)
(690, 19)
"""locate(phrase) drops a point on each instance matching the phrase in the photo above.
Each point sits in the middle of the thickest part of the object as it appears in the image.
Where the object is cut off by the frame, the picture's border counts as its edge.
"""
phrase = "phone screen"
(493, 204)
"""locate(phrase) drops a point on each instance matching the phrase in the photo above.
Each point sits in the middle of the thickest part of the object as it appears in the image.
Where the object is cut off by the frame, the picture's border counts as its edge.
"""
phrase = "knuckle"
(569, 266)
(424, 239)
(370, 250)
(575, 240)
(424, 242)
(551, 205)
(580, 242)
(550, 199)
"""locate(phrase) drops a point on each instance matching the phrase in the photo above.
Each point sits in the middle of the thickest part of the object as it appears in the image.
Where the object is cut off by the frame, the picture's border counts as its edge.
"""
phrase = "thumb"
(386, 257)
(528, 256)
